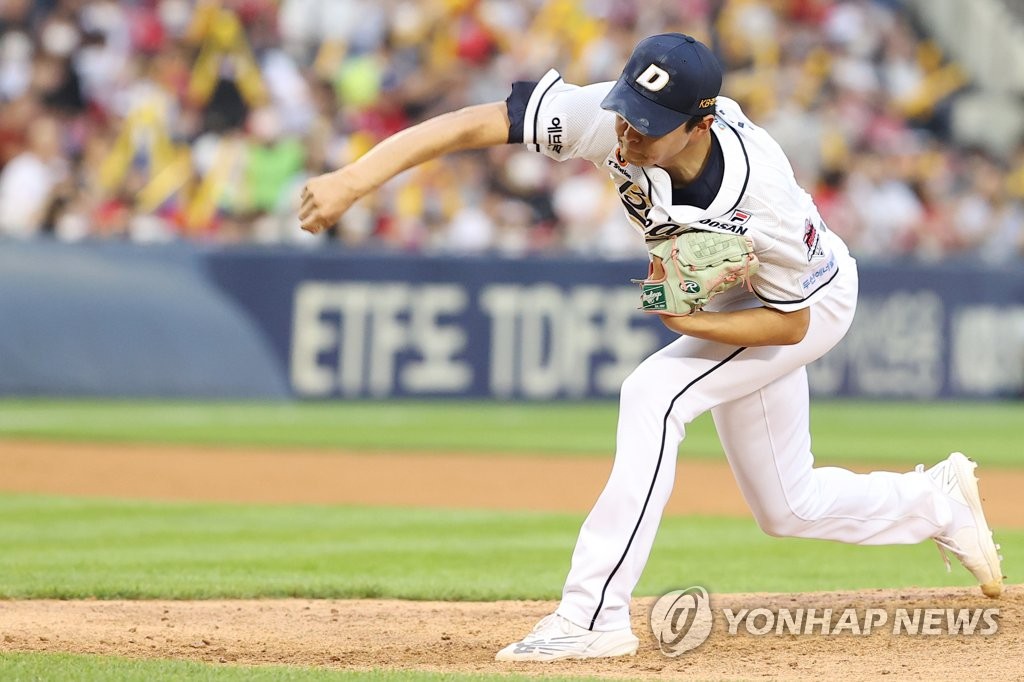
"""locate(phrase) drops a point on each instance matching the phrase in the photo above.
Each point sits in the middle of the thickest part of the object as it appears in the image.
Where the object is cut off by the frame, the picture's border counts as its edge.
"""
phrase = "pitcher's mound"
(463, 636)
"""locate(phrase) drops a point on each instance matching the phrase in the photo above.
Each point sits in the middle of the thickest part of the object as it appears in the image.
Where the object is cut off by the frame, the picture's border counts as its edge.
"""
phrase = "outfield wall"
(118, 320)
(182, 321)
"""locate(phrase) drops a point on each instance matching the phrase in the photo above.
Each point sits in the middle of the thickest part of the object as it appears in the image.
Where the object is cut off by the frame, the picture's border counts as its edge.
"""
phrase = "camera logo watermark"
(682, 620)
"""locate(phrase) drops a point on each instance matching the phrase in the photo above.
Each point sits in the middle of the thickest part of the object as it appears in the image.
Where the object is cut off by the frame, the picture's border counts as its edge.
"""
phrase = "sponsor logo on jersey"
(555, 132)
(728, 227)
(739, 216)
(812, 240)
(818, 274)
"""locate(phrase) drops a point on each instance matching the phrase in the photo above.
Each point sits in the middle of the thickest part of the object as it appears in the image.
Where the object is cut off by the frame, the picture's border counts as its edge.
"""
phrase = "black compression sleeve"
(516, 104)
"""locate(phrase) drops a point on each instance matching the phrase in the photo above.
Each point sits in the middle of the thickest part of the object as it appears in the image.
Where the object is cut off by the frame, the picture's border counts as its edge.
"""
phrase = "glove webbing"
(727, 277)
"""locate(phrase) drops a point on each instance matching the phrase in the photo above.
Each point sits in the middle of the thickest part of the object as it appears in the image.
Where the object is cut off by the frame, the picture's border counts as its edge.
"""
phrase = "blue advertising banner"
(186, 320)
(119, 320)
(400, 326)
(357, 326)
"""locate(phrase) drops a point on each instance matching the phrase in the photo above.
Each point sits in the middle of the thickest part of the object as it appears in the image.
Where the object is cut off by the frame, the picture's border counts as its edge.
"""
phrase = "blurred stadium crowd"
(160, 120)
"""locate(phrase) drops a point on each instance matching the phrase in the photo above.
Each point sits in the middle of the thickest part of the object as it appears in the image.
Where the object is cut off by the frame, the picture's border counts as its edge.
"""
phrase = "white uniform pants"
(759, 401)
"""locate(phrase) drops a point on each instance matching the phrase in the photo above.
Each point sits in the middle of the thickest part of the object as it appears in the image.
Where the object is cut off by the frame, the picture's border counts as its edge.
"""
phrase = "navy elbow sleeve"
(516, 104)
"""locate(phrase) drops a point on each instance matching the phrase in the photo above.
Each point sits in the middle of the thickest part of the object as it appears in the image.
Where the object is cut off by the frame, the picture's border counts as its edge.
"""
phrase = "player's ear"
(698, 126)
(705, 123)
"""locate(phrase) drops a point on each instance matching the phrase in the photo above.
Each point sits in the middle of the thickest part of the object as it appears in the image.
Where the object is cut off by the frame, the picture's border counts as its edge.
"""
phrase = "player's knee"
(650, 378)
(637, 387)
(782, 523)
(646, 393)
(770, 525)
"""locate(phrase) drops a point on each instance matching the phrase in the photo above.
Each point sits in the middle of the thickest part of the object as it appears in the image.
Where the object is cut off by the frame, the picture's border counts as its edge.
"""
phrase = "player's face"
(644, 150)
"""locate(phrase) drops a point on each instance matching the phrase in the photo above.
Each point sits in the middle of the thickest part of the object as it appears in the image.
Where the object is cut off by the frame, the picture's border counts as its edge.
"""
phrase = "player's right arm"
(326, 197)
(555, 118)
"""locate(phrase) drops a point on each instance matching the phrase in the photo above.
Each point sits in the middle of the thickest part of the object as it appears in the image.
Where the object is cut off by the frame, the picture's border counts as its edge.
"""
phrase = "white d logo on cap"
(654, 78)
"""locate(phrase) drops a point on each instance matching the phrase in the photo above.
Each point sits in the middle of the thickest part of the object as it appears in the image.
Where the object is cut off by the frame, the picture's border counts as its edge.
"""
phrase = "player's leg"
(657, 400)
(767, 441)
(665, 392)
(662, 395)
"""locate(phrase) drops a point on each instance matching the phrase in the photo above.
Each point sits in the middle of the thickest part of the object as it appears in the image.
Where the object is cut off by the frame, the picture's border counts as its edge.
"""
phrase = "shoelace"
(942, 547)
(563, 624)
(942, 543)
(542, 623)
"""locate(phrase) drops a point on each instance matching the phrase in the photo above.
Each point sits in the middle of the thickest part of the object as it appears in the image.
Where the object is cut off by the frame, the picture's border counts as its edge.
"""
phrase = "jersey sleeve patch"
(538, 105)
(561, 120)
(516, 104)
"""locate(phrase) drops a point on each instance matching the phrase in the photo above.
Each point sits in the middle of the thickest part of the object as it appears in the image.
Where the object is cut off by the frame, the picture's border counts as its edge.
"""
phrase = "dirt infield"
(461, 637)
(411, 480)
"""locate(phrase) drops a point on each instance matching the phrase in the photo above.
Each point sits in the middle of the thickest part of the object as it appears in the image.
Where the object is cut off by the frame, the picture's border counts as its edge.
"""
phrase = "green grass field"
(901, 433)
(15, 667)
(70, 548)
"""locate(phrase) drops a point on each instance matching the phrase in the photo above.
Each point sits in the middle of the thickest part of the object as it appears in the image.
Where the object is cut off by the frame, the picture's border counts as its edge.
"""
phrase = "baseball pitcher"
(756, 285)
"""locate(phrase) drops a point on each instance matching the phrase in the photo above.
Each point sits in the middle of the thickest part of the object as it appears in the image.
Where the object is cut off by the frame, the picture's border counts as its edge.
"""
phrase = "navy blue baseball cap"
(668, 79)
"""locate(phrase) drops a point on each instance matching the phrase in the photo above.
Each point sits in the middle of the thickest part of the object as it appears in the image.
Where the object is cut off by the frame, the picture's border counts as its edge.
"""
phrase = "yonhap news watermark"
(682, 620)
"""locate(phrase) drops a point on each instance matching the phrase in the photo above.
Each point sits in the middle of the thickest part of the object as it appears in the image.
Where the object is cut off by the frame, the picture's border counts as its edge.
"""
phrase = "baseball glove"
(689, 270)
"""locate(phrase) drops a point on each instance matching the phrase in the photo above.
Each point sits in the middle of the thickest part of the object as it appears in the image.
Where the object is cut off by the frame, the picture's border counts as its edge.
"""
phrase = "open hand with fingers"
(325, 199)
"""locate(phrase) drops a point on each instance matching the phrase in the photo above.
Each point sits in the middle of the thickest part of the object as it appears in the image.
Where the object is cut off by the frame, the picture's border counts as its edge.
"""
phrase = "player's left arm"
(749, 327)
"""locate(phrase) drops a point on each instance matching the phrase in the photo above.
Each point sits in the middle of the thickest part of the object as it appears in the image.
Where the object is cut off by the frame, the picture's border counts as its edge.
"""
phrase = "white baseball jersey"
(799, 256)
(758, 396)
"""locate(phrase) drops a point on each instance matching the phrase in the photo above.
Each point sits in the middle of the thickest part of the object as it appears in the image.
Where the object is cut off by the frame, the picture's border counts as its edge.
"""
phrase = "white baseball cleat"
(971, 542)
(554, 638)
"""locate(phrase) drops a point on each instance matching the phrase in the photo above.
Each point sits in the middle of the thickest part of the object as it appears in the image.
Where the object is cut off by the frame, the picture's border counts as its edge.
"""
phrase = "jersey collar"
(734, 180)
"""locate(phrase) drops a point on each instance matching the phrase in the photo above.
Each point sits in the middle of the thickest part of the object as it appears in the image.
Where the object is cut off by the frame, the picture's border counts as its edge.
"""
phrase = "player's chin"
(630, 156)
